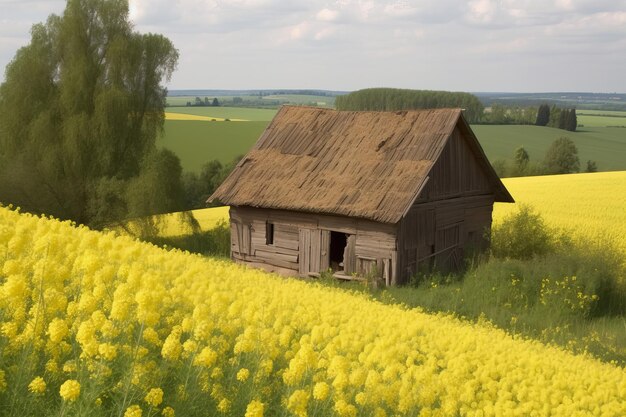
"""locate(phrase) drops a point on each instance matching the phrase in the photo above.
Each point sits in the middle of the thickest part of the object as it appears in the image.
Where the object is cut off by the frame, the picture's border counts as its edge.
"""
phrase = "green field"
(605, 145)
(197, 142)
(601, 118)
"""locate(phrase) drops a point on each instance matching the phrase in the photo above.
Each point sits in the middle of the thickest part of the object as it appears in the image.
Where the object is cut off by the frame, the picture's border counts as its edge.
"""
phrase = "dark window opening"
(338, 242)
(269, 233)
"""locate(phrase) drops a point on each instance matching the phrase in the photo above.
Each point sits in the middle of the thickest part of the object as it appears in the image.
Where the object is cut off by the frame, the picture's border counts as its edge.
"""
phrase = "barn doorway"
(338, 242)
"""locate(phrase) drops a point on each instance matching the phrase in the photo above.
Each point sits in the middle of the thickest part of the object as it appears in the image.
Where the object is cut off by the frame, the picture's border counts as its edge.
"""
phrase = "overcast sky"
(477, 45)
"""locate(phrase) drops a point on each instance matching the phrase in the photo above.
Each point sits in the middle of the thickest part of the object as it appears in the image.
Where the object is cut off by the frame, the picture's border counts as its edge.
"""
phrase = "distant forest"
(389, 99)
(588, 101)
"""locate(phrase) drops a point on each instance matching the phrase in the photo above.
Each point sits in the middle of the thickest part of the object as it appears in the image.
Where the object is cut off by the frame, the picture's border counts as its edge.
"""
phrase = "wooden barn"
(363, 193)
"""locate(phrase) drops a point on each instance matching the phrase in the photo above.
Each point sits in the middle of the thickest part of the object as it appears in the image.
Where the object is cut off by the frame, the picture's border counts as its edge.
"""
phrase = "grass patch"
(196, 142)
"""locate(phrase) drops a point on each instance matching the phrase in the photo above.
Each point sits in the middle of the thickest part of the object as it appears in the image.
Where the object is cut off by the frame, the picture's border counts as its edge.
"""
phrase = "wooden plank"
(387, 271)
(270, 257)
(394, 272)
(377, 238)
(286, 243)
(324, 250)
(315, 251)
(344, 225)
(235, 236)
(304, 251)
(277, 250)
(373, 252)
(246, 239)
(349, 255)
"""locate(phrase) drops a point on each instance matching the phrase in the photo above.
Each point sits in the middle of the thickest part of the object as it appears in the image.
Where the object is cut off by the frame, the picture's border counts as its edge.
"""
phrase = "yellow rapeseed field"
(592, 205)
(177, 224)
(184, 116)
(99, 325)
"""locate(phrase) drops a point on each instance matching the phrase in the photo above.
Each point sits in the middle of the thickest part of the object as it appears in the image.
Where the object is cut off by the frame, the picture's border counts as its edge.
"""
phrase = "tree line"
(392, 99)
(207, 102)
(499, 114)
(544, 115)
(557, 117)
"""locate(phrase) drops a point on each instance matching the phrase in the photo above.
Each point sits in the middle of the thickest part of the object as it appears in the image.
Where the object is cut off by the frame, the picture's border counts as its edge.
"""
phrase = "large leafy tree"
(562, 157)
(80, 111)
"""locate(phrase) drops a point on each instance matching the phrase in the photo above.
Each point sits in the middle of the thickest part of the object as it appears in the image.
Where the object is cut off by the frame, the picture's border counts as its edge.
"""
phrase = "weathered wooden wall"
(438, 234)
(456, 173)
(452, 214)
(301, 242)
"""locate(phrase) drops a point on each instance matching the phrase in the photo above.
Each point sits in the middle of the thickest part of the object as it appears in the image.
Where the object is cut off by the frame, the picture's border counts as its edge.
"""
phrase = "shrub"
(521, 235)
(562, 157)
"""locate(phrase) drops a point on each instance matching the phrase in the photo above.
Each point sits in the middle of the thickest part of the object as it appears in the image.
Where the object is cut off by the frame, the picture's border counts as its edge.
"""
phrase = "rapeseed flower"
(298, 402)
(255, 409)
(154, 397)
(37, 385)
(243, 374)
(133, 411)
(320, 391)
(70, 390)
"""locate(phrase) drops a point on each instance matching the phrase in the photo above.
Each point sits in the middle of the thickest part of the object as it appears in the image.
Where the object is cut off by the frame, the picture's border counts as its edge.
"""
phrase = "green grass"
(605, 145)
(251, 114)
(599, 118)
(197, 142)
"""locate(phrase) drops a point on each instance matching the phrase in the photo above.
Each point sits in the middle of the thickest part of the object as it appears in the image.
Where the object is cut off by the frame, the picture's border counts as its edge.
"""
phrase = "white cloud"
(325, 33)
(327, 15)
(346, 44)
(298, 31)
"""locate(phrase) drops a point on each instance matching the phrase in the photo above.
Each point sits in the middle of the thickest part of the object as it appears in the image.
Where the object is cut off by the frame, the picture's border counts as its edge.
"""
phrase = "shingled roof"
(370, 165)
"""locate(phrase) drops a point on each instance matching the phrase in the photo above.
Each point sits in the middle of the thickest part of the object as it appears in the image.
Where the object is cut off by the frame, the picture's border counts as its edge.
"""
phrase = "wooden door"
(313, 251)
(240, 238)
(449, 254)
